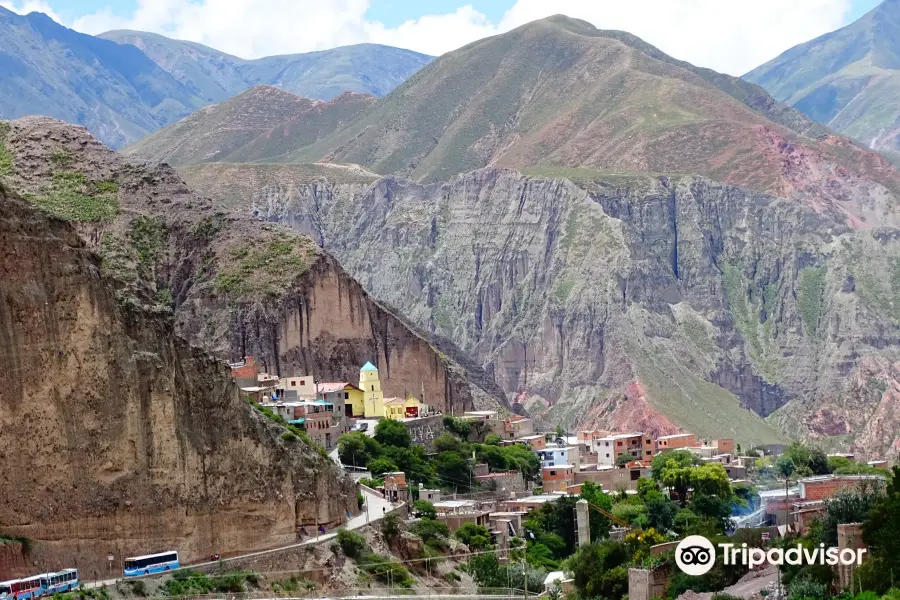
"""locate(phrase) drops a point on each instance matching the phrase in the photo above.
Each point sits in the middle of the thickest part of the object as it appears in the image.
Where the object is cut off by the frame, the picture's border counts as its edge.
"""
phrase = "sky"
(731, 36)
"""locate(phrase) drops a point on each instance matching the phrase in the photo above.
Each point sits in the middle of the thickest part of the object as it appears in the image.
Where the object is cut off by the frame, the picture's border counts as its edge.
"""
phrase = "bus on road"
(45, 584)
(61, 581)
(151, 563)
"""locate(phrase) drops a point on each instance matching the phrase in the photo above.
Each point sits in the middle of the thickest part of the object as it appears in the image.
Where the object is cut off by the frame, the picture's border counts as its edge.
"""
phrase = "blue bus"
(44, 584)
(25, 589)
(61, 581)
(151, 563)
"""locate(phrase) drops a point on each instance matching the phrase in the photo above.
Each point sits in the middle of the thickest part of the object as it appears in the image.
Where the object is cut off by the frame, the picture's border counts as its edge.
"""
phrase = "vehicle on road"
(151, 563)
(45, 584)
(361, 427)
(62, 581)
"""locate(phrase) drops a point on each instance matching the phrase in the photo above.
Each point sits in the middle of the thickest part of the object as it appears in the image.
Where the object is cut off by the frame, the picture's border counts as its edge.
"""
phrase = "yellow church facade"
(373, 403)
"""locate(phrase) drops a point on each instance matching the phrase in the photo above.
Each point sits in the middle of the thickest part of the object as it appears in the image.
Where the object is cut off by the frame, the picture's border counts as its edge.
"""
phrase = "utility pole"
(525, 575)
(583, 523)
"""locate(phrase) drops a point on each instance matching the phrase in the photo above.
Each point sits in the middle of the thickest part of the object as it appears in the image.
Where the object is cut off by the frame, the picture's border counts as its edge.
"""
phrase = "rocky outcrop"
(120, 438)
(236, 287)
(676, 301)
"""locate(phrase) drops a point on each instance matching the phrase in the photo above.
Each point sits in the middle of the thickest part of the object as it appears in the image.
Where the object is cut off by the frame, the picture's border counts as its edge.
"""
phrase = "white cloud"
(732, 36)
(28, 6)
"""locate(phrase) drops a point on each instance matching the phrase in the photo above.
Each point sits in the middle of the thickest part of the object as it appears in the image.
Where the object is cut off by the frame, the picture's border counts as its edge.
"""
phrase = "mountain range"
(572, 221)
(124, 85)
(848, 79)
(620, 239)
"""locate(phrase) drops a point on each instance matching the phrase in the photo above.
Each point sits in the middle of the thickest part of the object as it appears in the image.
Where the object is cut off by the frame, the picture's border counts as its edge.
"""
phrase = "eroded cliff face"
(675, 302)
(236, 287)
(120, 438)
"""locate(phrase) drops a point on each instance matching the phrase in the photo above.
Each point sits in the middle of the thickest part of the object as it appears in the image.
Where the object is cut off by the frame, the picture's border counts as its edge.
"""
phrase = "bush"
(390, 527)
(476, 537)
(392, 433)
(380, 466)
(138, 588)
(385, 570)
(351, 543)
(492, 439)
(289, 437)
(424, 509)
(429, 529)
(806, 587)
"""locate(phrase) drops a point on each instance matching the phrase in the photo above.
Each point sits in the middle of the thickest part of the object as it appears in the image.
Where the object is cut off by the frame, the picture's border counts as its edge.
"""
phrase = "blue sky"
(731, 36)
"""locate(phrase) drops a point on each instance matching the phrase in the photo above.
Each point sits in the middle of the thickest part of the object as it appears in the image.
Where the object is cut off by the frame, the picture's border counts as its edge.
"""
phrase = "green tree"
(818, 462)
(711, 480)
(453, 470)
(661, 513)
(881, 530)
(411, 461)
(476, 537)
(424, 509)
(357, 449)
(522, 458)
(492, 439)
(785, 466)
(674, 459)
(493, 456)
(540, 555)
(447, 442)
(351, 543)
(431, 531)
(599, 570)
(623, 460)
(392, 433)
(380, 466)
(460, 427)
(595, 495)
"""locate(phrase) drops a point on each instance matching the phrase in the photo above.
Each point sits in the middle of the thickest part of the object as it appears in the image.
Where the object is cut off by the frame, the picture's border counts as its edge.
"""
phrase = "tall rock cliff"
(237, 287)
(641, 302)
(120, 438)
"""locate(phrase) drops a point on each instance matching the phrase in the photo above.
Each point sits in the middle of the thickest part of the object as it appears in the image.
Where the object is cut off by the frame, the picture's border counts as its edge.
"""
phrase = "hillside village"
(483, 492)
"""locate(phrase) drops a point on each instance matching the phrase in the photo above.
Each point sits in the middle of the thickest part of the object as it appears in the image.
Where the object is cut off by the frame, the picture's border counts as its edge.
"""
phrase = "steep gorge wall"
(297, 311)
(120, 438)
(328, 326)
(605, 300)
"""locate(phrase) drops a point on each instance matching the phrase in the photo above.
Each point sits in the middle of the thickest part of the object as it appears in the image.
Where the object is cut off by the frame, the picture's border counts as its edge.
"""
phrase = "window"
(302, 382)
(293, 383)
(552, 473)
(346, 395)
(649, 453)
(619, 443)
(373, 388)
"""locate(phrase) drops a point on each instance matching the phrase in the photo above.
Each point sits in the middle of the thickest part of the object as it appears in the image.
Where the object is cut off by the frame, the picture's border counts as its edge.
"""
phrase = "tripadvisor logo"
(696, 555)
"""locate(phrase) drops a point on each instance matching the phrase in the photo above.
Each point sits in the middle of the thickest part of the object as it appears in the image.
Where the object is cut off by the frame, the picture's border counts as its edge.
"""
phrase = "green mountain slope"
(560, 93)
(848, 79)
(115, 91)
(215, 76)
(253, 125)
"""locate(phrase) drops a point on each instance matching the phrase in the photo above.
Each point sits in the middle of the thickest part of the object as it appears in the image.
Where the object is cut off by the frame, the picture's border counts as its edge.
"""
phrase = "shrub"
(351, 543)
(138, 588)
(425, 509)
(289, 437)
(429, 530)
(390, 527)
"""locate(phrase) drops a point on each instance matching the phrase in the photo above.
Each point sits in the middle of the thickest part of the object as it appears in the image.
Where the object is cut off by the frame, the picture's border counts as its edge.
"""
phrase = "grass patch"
(268, 267)
(188, 582)
(148, 236)
(72, 198)
(810, 298)
(747, 315)
(6, 163)
(384, 569)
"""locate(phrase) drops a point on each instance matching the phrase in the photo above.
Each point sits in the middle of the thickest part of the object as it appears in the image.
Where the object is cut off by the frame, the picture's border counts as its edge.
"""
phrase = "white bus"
(151, 563)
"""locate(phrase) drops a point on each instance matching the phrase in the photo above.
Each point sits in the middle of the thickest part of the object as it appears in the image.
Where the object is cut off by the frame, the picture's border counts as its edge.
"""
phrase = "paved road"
(375, 508)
